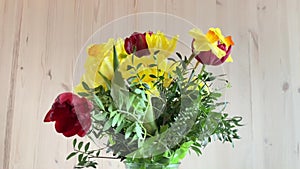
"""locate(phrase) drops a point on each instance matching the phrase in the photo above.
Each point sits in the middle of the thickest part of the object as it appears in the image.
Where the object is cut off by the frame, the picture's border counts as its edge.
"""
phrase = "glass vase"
(150, 166)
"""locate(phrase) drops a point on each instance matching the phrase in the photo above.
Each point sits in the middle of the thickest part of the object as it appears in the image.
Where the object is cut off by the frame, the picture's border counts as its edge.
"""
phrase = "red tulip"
(71, 115)
(137, 43)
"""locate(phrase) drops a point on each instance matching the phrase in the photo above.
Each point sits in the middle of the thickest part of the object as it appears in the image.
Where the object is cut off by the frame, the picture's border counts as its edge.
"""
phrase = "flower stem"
(93, 156)
(191, 58)
(202, 69)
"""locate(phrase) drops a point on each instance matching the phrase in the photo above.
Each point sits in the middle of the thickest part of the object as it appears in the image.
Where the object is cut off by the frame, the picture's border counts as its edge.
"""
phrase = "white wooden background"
(40, 40)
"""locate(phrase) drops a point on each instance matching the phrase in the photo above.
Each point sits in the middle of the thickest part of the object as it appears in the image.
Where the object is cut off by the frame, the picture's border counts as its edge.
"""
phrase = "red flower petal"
(82, 109)
(66, 97)
(75, 130)
(64, 125)
(48, 116)
(208, 58)
(224, 58)
(85, 122)
(62, 111)
(81, 133)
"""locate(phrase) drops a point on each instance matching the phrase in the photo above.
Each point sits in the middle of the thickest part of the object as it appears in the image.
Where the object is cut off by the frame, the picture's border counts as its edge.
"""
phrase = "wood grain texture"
(40, 42)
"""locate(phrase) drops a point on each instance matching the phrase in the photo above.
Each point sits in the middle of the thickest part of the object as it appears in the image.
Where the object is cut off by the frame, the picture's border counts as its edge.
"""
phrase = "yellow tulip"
(100, 59)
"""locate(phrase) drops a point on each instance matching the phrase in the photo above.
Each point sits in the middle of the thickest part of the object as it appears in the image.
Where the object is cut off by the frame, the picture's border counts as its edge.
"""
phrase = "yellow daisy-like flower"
(148, 67)
(158, 41)
(100, 59)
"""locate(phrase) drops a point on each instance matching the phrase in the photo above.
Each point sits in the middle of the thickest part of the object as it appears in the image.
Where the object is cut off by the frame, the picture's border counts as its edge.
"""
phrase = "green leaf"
(129, 131)
(122, 55)
(83, 94)
(156, 52)
(120, 127)
(112, 114)
(80, 145)
(74, 142)
(98, 102)
(142, 77)
(172, 59)
(130, 101)
(116, 60)
(139, 65)
(211, 78)
(179, 55)
(152, 76)
(84, 159)
(100, 116)
(115, 120)
(98, 153)
(216, 95)
(71, 155)
(181, 152)
(152, 65)
(121, 119)
(146, 86)
(108, 82)
(86, 147)
(80, 157)
(110, 109)
(129, 67)
(85, 86)
(196, 150)
(131, 78)
(138, 91)
(155, 57)
(107, 125)
(138, 130)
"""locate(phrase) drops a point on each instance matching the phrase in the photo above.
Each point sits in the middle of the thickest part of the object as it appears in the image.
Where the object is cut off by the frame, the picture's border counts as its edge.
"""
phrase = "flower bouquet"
(149, 104)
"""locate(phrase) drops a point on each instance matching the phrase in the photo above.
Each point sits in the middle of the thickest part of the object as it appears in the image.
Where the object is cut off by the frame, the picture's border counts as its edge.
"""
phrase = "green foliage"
(144, 127)
(85, 157)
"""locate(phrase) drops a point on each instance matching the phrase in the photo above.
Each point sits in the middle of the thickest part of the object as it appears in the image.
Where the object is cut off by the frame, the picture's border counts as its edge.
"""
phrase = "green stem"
(202, 69)
(92, 156)
(191, 58)
(149, 119)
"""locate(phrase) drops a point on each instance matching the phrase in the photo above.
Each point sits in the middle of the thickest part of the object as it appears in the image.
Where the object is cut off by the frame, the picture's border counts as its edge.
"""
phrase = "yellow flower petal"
(158, 41)
(202, 43)
(100, 59)
(229, 59)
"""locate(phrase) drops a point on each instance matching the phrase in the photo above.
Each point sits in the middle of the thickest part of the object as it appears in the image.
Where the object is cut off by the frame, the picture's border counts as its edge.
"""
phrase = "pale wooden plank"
(11, 19)
(257, 121)
(293, 24)
(25, 131)
(151, 6)
(59, 60)
(6, 46)
(46, 58)
(272, 100)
